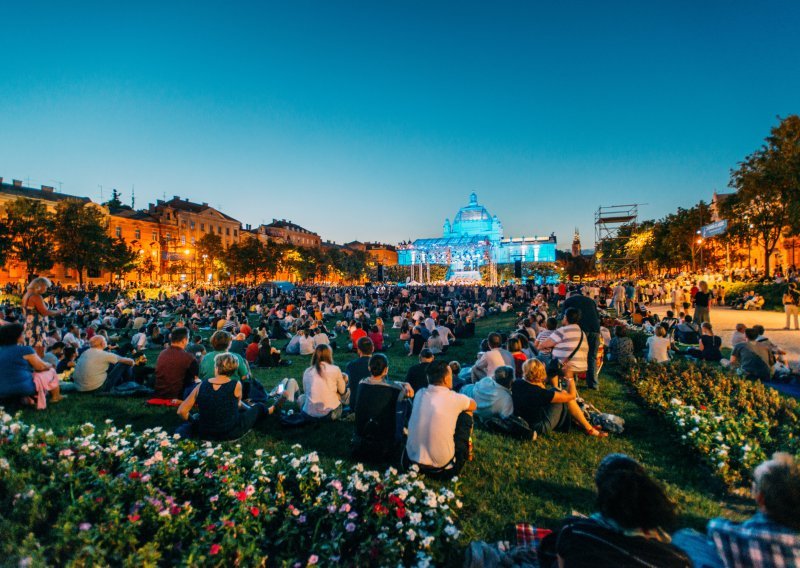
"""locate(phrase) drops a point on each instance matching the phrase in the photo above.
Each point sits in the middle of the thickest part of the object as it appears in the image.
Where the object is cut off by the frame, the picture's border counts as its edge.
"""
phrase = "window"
(202, 227)
(137, 234)
(183, 224)
(118, 232)
(228, 231)
(193, 240)
(219, 229)
(235, 232)
(191, 225)
(154, 236)
(169, 216)
(169, 236)
(183, 239)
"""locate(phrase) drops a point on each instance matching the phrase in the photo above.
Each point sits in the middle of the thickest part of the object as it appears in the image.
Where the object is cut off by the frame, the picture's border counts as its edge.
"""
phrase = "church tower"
(576, 243)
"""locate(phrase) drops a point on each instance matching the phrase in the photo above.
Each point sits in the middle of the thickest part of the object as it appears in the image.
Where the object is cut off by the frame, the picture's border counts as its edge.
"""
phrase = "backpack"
(513, 426)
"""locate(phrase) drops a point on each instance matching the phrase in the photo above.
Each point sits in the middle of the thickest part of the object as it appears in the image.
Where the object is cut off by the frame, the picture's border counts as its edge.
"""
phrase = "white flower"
(411, 535)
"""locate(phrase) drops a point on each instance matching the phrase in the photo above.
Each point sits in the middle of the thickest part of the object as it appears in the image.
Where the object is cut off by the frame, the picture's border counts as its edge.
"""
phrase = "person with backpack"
(382, 410)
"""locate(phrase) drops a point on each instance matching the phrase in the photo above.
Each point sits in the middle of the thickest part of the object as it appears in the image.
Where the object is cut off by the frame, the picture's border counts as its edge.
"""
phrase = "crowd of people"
(523, 379)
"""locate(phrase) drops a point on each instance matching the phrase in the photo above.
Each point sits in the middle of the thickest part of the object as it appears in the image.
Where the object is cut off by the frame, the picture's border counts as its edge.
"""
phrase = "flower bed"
(116, 497)
(733, 423)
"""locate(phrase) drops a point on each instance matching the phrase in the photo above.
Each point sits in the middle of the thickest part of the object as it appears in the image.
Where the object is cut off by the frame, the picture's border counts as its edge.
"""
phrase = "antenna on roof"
(133, 197)
(101, 193)
(60, 183)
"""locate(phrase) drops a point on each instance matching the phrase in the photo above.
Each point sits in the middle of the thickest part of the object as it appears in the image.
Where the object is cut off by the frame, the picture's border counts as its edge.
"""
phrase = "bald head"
(98, 342)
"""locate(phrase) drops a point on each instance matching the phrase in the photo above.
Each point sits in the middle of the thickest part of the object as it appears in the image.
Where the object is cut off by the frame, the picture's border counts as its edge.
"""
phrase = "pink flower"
(313, 559)
(350, 527)
(133, 518)
(85, 526)
(214, 550)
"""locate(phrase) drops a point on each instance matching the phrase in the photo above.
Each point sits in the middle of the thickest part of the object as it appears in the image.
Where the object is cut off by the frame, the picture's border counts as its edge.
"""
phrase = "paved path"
(725, 319)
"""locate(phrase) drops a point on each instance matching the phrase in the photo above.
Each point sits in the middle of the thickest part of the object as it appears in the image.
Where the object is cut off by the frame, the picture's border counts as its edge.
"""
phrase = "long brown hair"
(322, 354)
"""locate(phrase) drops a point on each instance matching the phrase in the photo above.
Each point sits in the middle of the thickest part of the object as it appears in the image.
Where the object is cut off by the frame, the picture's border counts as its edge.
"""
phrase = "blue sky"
(375, 120)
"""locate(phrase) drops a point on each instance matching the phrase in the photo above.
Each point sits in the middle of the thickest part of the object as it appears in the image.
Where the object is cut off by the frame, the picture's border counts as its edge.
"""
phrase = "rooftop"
(45, 193)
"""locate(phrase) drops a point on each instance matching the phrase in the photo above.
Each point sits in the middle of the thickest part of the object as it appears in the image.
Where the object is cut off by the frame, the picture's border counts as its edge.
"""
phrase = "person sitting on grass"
(97, 368)
(177, 370)
(440, 428)
(620, 349)
(67, 361)
(492, 395)
(25, 376)
(268, 356)
(381, 412)
(220, 342)
(417, 375)
(628, 529)
(710, 345)
(752, 359)
(771, 537)
(544, 408)
(324, 386)
(658, 346)
(492, 358)
(222, 414)
(358, 369)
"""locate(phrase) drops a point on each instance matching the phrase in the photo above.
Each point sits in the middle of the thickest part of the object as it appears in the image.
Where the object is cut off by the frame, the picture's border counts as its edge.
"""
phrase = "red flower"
(102, 472)
(215, 548)
(228, 523)
(400, 512)
(211, 528)
(98, 499)
(174, 510)
(133, 518)
(379, 509)
(241, 496)
(379, 488)
(135, 475)
(254, 511)
(702, 407)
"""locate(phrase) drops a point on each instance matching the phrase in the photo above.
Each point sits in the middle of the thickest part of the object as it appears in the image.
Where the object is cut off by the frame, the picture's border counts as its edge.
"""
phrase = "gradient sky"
(375, 120)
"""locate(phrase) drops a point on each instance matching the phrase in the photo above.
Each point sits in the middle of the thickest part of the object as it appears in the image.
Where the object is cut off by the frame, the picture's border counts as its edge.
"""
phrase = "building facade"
(474, 239)
(290, 233)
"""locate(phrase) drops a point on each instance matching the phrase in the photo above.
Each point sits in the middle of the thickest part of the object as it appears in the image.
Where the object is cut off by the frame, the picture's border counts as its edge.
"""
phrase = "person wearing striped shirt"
(769, 538)
(569, 344)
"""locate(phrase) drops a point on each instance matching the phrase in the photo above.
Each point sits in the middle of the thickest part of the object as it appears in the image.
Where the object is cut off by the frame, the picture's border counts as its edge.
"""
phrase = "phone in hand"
(281, 388)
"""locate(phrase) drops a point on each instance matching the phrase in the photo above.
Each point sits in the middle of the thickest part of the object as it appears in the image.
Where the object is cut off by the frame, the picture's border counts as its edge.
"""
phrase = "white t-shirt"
(91, 370)
(658, 349)
(433, 425)
(306, 345)
(323, 390)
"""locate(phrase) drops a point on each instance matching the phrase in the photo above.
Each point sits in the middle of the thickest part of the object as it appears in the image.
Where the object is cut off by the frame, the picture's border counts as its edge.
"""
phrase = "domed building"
(473, 239)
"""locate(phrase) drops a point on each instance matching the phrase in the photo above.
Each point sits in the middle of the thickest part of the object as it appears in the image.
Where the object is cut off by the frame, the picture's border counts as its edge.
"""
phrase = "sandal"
(594, 432)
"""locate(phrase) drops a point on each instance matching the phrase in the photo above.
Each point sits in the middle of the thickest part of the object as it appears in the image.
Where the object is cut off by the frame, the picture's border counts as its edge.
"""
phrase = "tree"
(30, 227)
(115, 203)
(146, 264)
(767, 183)
(210, 249)
(5, 242)
(81, 236)
(119, 258)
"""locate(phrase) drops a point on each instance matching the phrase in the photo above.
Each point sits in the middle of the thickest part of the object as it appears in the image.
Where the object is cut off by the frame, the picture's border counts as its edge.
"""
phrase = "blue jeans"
(698, 548)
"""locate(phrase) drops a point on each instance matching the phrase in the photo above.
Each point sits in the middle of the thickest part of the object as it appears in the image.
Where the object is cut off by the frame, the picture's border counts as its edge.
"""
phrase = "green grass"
(508, 481)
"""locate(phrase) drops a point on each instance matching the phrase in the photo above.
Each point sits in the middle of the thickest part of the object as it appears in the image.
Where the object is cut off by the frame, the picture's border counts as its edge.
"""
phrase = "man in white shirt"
(139, 341)
(96, 367)
(441, 425)
(445, 334)
(305, 343)
(492, 359)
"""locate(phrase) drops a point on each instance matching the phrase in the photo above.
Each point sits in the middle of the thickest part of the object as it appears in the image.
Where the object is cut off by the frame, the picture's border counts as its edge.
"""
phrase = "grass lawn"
(509, 481)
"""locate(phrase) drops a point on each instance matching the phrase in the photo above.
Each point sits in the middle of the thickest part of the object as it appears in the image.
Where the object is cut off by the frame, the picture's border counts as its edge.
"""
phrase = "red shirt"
(356, 335)
(246, 329)
(377, 340)
(251, 353)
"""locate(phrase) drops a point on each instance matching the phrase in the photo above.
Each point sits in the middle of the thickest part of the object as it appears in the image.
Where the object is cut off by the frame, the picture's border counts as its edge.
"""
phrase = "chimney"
(176, 197)
(47, 188)
(205, 204)
(186, 199)
(17, 183)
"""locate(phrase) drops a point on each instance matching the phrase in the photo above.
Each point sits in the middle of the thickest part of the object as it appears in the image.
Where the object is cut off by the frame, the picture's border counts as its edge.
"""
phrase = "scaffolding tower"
(610, 240)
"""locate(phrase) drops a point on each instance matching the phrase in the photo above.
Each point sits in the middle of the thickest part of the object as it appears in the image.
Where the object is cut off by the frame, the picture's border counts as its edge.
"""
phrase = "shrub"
(114, 497)
(733, 423)
(773, 293)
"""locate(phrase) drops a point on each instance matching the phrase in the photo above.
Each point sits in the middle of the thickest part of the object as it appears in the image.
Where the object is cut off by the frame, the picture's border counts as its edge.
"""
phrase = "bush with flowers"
(111, 496)
(732, 422)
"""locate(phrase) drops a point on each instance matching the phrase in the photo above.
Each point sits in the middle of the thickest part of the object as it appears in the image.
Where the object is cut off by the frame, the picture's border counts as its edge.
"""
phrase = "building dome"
(471, 214)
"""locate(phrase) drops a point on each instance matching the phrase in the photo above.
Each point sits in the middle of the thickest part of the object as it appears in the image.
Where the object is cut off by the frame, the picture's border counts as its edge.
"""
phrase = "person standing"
(702, 304)
(791, 303)
(36, 314)
(590, 324)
